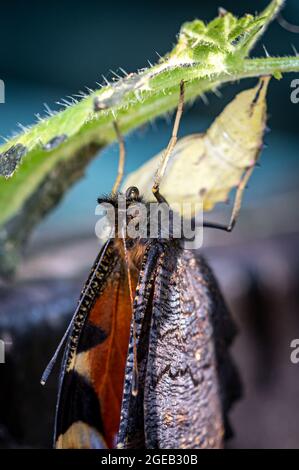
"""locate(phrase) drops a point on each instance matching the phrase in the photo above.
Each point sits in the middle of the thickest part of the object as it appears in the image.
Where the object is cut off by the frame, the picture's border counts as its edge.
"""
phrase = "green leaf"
(40, 164)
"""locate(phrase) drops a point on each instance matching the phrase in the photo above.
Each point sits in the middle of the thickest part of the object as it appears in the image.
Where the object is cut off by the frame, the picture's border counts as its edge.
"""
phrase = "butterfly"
(208, 166)
(147, 363)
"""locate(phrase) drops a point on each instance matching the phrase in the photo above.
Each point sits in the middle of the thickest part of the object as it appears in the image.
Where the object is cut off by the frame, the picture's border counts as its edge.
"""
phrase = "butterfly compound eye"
(132, 193)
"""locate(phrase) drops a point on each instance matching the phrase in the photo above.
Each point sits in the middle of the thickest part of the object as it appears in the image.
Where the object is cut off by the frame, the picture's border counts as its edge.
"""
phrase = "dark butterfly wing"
(183, 331)
(91, 384)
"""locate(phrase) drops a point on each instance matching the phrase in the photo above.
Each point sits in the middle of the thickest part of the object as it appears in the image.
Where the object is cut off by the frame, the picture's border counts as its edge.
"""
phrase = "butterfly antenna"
(53, 360)
(135, 366)
(121, 161)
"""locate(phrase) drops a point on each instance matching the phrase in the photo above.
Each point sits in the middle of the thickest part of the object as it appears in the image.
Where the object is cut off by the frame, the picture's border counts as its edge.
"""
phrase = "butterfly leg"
(166, 155)
(236, 206)
(121, 161)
